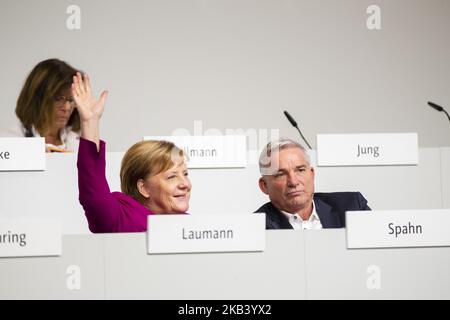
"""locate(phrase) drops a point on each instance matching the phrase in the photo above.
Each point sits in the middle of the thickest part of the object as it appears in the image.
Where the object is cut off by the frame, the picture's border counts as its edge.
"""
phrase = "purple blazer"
(105, 211)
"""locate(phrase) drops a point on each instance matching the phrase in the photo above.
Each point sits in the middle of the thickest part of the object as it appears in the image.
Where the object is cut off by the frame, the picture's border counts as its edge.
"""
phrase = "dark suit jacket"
(330, 208)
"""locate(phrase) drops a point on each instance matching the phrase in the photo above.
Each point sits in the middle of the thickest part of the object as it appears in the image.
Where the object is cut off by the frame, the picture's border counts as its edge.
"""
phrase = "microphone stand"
(303, 137)
(448, 116)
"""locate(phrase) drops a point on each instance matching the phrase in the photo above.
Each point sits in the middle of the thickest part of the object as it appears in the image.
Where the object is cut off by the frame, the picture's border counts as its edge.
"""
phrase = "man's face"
(291, 185)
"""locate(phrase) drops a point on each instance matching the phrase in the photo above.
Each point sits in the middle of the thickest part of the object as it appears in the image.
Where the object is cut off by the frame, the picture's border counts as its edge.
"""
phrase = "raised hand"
(89, 108)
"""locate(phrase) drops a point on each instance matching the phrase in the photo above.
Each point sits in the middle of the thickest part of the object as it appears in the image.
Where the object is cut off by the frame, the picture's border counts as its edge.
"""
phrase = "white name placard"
(186, 233)
(399, 228)
(30, 237)
(22, 154)
(210, 151)
(367, 149)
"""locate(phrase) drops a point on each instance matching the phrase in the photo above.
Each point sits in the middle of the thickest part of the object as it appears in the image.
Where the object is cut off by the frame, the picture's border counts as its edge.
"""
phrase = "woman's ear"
(142, 188)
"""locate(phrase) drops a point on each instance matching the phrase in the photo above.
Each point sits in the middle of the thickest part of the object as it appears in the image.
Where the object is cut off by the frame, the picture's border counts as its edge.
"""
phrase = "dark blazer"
(330, 208)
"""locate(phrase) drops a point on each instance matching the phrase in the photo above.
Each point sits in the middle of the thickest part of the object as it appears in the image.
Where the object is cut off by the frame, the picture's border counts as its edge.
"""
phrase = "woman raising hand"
(153, 174)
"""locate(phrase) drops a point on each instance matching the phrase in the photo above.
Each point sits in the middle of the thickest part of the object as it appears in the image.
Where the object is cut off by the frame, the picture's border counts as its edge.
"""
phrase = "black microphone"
(294, 124)
(438, 108)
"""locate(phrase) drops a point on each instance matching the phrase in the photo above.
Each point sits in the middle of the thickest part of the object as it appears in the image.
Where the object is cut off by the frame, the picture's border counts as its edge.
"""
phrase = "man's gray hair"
(265, 163)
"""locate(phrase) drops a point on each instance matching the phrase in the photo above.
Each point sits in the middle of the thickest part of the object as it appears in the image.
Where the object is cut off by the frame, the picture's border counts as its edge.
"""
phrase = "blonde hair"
(145, 159)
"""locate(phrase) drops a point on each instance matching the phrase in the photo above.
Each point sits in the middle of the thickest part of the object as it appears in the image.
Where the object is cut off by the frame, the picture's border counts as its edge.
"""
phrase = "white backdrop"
(237, 64)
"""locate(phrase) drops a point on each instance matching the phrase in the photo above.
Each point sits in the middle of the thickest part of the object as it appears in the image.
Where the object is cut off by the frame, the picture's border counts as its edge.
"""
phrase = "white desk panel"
(295, 265)
(445, 165)
(389, 187)
(48, 277)
(226, 191)
(277, 273)
(334, 272)
(50, 193)
(54, 192)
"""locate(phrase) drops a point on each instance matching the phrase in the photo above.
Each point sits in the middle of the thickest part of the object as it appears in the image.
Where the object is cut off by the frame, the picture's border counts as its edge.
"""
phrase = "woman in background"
(46, 108)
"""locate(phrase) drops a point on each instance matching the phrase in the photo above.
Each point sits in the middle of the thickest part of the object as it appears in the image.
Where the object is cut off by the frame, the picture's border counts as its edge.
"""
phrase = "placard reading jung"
(210, 151)
(183, 233)
(367, 149)
(399, 228)
(22, 154)
(30, 237)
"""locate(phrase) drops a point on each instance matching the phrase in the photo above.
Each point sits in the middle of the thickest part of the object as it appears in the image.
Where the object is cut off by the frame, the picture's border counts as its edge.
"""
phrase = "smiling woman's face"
(168, 191)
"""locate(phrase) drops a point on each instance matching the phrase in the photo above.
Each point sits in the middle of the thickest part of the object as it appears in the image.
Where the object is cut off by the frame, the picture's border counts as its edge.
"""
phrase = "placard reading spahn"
(210, 151)
(30, 237)
(186, 233)
(397, 229)
(22, 154)
(367, 149)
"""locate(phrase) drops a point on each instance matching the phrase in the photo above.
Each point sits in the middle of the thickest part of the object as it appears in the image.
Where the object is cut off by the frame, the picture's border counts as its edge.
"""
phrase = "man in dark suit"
(288, 179)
